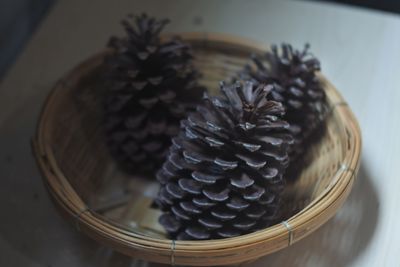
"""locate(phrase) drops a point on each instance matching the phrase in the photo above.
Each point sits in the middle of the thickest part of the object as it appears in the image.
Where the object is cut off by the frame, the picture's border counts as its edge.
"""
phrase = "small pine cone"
(297, 87)
(223, 176)
(151, 86)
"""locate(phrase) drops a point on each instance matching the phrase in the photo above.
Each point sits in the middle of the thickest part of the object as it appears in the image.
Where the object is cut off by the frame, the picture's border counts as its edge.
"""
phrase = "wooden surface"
(360, 54)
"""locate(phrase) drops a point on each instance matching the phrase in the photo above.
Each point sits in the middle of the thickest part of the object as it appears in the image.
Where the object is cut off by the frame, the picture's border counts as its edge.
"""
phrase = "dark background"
(20, 18)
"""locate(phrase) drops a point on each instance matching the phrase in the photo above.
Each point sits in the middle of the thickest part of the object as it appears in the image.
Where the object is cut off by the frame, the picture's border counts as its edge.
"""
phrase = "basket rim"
(300, 225)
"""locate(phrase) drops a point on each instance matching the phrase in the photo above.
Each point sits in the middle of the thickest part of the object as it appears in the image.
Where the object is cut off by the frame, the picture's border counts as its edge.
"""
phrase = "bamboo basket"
(116, 210)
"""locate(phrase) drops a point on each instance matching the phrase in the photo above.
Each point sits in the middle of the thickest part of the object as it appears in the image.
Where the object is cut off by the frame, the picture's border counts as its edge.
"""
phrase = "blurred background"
(19, 19)
(358, 39)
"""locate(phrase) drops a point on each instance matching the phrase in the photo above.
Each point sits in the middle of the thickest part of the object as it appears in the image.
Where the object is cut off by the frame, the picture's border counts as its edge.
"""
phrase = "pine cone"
(297, 87)
(224, 173)
(151, 86)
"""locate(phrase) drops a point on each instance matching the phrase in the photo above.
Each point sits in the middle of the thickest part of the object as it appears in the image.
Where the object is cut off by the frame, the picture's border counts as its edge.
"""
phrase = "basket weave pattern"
(81, 177)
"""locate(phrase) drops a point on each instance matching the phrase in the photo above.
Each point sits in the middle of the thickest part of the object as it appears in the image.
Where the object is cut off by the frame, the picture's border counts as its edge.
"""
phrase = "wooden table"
(360, 54)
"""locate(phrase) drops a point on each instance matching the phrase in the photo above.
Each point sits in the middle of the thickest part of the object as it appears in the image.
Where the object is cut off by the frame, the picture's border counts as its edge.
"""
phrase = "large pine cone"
(297, 87)
(224, 173)
(151, 85)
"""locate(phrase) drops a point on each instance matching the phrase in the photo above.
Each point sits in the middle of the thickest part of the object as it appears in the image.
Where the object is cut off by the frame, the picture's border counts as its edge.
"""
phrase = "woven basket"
(117, 210)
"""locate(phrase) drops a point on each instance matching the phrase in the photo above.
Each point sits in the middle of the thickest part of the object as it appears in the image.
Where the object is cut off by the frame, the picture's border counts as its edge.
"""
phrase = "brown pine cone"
(297, 87)
(224, 173)
(151, 86)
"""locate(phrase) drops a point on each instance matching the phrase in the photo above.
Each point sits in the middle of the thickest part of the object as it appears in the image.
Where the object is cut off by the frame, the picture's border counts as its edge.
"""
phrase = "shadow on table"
(32, 230)
(342, 239)
(338, 243)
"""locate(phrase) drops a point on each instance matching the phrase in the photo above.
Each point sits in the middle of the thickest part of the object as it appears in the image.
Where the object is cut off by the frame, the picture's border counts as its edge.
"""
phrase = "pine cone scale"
(152, 85)
(297, 87)
(225, 173)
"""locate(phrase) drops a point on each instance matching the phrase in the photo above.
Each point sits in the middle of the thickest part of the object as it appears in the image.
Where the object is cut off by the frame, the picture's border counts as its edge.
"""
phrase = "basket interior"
(76, 140)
